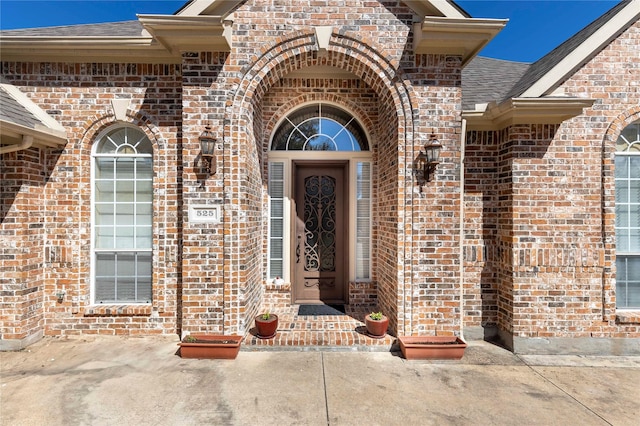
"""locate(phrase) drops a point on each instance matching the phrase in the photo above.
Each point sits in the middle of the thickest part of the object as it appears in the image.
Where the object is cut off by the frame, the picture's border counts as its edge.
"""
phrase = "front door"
(319, 252)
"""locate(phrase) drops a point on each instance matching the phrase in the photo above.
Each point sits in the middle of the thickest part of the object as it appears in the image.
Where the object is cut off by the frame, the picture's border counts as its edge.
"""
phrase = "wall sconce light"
(428, 160)
(207, 150)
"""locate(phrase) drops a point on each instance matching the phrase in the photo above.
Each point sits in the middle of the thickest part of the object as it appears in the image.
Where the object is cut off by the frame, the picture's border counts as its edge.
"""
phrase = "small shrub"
(376, 315)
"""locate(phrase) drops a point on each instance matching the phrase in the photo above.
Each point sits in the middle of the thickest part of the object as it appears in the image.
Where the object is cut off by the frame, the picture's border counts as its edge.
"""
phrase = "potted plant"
(376, 324)
(210, 346)
(266, 325)
(432, 347)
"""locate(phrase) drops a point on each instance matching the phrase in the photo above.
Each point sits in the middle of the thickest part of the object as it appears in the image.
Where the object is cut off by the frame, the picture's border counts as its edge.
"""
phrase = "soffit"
(456, 36)
(548, 110)
(209, 7)
(189, 33)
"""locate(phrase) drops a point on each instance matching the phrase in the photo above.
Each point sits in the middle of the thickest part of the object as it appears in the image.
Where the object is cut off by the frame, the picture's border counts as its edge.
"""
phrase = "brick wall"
(435, 219)
(203, 273)
(481, 265)
(274, 40)
(53, 241)
(22, 243)
(582, 226)
(540, 245)
(209, 277)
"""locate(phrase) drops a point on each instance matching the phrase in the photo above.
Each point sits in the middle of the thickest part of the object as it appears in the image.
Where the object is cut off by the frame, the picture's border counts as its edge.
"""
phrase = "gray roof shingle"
(109, 29)
(486, 79)
(12, 111)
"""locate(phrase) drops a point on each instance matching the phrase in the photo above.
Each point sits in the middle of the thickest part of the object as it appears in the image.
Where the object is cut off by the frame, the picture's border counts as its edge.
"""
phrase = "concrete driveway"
(141, 381)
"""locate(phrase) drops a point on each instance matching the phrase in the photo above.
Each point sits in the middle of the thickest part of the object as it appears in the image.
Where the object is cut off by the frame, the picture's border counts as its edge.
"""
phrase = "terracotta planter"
(432, 347)
(211, 346)
(266, 329)
(376, 328)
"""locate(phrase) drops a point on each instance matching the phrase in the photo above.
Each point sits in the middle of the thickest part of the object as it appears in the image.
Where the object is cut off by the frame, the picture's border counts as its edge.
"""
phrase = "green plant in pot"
(266, 325)
(376, 324)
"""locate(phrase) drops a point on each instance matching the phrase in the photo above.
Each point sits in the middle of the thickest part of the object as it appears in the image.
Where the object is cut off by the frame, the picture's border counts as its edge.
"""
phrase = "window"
(320, 128)
(122, 217)
(627, 183)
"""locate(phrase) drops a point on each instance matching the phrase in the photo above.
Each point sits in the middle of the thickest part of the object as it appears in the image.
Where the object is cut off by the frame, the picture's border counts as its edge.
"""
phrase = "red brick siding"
(22, 239)
(79, 97)
(553, 248)
(203, 273)
(435, 220)
(481, 227)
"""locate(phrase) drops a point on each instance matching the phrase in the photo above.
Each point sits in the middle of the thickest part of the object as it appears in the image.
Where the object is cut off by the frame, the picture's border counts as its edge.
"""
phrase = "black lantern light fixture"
(428, 160)
(207, 150)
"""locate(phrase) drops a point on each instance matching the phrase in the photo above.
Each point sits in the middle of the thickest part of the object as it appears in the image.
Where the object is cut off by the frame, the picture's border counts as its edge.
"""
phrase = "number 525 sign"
(204, 214)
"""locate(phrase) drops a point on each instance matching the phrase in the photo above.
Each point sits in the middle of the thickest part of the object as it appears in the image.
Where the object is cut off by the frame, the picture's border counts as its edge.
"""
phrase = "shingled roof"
(109, 29)
(486, 79)
(547, 62)
(20, 117)
(13, 112)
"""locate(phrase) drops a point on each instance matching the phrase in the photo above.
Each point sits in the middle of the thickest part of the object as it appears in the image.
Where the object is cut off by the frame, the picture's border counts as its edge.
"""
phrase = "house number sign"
(204, 214)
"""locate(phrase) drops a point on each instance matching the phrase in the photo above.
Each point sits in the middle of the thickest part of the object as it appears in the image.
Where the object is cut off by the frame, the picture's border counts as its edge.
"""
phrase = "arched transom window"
(122, 217)
(320, 127)
(627, 178)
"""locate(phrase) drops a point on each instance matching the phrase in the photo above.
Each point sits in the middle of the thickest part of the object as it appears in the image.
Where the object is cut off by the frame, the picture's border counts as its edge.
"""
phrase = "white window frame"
(93, 264)
(631, 149)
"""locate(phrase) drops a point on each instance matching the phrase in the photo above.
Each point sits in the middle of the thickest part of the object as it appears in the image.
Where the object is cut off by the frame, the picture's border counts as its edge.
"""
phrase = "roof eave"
(164, 39)
(13, 133)
(86, 49)
(189, 33)
(464, 37)
(550, 110)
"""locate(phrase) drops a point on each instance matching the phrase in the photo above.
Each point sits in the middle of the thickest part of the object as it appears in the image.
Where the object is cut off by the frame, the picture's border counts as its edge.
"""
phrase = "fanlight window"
(320, 127)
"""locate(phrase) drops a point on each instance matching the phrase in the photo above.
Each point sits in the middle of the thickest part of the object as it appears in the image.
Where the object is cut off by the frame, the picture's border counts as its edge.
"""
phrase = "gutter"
(463, 142)
(26, 143)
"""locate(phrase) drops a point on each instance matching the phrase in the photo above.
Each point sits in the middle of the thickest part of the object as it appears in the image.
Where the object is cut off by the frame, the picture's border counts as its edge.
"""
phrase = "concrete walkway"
(141, 381)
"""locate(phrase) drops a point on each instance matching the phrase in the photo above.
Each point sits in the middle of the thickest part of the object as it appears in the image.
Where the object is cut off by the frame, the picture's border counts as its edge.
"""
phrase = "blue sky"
(535, 26)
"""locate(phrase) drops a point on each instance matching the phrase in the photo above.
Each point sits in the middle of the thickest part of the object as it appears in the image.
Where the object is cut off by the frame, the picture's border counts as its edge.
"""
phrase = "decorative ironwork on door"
(320, 223)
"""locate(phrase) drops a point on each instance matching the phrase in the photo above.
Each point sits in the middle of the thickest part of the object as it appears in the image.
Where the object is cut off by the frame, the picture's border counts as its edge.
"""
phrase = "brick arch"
(244, 133)
(608, 204)
(285, 108)
(619, 123)
(609, 142)
(92, 127)
(297, 51)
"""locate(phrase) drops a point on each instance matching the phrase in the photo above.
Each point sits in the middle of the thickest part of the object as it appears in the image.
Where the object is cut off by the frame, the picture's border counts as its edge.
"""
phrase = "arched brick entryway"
(245, 133)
